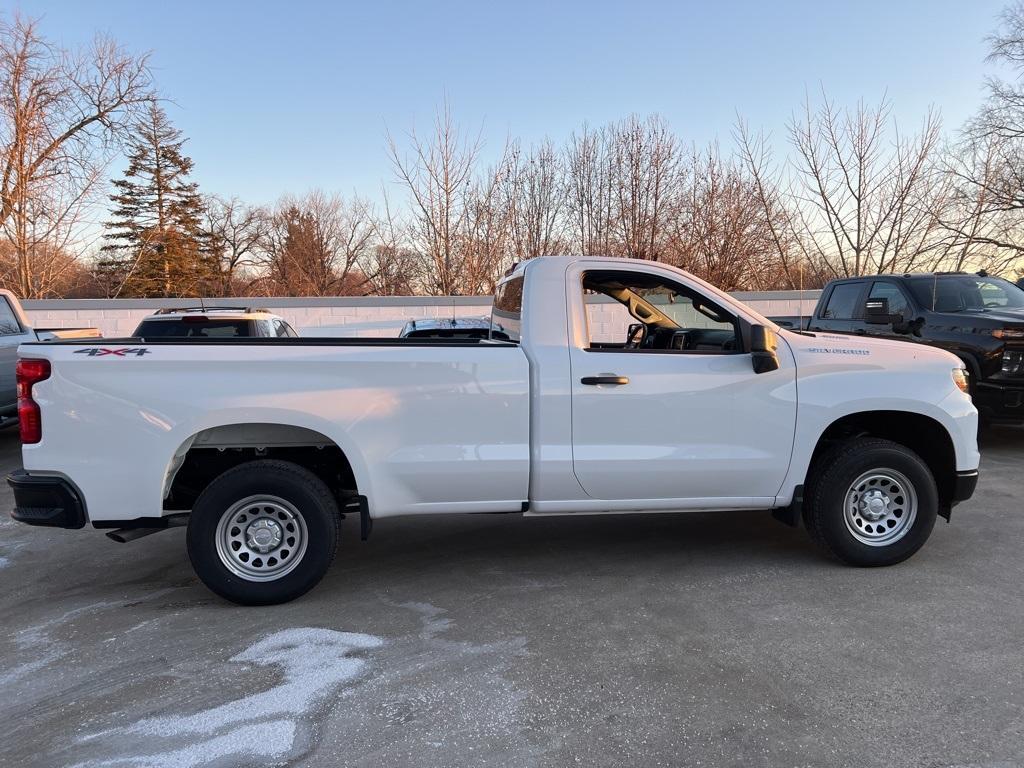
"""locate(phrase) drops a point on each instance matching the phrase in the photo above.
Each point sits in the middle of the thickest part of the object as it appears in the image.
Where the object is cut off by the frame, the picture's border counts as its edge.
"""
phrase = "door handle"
(604, 380)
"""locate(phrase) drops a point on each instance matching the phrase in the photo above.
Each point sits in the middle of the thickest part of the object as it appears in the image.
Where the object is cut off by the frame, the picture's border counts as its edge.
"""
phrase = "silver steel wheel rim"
(880, 507)
(261, 538)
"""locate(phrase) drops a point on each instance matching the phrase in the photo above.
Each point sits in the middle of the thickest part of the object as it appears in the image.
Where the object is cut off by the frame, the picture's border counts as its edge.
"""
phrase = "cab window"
(842, 303)
(507, 312)
(882, 289)
(638, 312)
(9, 325)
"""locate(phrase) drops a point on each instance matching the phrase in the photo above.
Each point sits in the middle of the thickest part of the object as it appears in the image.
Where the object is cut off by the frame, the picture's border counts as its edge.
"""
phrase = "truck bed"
(410, 414)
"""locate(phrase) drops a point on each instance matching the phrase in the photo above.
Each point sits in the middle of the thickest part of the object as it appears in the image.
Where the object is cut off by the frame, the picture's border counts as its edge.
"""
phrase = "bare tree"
(589, 194)
(987, 166)
(861, 189)
(484, 244)
(315, 245)
(235, 233)
(976, 211)
(62, 113)
(1003, 113)
(450, 206)
(724, 231)
(647, 177)
(534, 194)
(391, 267)
(791, 259)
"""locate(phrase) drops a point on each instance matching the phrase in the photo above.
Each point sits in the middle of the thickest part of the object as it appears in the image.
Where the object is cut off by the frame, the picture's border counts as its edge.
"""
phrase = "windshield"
(193, 327)
(966, 293)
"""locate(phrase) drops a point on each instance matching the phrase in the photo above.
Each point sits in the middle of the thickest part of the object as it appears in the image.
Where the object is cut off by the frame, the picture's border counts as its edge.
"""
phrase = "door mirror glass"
(764, 344)
(634, 335)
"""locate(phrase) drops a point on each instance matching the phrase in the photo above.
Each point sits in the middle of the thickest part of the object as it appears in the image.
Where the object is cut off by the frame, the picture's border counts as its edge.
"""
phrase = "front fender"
(825, 397)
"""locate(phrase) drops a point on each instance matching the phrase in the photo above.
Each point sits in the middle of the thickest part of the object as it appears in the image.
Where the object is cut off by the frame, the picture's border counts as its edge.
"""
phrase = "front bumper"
(964, 485)
(1000, 401)
(46, 500)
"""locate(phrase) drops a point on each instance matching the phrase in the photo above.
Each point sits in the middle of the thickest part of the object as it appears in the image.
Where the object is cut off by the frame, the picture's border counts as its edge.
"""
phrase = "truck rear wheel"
(871, 502)
(264, 532)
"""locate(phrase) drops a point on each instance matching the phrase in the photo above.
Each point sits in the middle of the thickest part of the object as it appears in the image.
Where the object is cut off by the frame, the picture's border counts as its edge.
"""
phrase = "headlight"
(1008, 333)
(960, 379)
(1013, 361)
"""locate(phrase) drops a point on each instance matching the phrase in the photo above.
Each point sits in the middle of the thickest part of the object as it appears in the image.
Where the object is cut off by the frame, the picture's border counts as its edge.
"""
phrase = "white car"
(622, 386)
(213, 323)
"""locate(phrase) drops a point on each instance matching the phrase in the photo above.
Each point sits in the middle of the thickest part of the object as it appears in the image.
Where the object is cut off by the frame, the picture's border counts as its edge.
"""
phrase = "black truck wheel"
(264, 532)
(871, 502)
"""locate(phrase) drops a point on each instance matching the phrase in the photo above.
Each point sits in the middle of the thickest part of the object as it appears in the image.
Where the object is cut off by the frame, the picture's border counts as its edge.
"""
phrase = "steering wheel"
(632, 342)
(992, 305)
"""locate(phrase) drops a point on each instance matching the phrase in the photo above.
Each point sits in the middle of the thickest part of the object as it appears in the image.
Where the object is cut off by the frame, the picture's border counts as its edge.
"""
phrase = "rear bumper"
(963, 487)
(46, 500)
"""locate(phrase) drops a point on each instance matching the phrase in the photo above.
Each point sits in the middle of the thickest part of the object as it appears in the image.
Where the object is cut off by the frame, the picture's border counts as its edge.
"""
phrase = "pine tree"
(155, 246)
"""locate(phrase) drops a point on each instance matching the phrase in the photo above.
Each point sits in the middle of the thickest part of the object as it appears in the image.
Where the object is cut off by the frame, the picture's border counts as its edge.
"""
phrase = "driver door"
(681, 415)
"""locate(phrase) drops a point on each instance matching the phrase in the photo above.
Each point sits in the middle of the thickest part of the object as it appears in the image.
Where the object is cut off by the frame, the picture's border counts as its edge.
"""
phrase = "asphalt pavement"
(675, 640)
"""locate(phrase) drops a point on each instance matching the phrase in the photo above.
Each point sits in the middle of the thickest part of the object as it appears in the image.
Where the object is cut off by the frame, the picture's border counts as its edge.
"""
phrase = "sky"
(282, 97)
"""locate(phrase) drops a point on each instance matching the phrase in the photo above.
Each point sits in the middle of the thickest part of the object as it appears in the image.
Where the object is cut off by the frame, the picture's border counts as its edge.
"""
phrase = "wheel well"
(922, 434)
(208, 454)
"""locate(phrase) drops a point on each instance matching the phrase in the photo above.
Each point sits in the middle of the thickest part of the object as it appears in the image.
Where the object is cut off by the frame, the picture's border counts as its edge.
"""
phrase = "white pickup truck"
(618, 386)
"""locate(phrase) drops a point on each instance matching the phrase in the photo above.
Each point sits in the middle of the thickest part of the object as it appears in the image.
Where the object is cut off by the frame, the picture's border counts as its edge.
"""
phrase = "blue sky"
(284, 96)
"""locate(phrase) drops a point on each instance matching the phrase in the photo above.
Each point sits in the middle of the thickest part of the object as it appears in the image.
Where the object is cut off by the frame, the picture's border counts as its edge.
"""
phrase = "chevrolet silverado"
(615, 386)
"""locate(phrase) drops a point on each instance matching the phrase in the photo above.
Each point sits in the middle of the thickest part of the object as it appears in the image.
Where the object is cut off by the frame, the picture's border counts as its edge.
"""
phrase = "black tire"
(296, 498)
(833, 476)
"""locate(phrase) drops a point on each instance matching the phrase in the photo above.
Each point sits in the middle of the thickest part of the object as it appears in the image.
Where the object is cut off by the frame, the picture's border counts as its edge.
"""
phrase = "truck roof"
(917, 276)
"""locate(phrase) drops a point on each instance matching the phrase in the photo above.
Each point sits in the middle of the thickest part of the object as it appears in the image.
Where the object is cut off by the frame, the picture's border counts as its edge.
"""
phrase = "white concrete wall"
(343, 316)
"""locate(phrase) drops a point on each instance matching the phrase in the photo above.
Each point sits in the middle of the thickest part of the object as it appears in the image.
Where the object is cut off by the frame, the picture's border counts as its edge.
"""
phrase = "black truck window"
(842, 304)
(885, 290)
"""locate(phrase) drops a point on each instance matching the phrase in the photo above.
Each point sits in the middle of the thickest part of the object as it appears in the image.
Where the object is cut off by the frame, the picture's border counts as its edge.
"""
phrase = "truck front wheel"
(264, 532)
(871, 502)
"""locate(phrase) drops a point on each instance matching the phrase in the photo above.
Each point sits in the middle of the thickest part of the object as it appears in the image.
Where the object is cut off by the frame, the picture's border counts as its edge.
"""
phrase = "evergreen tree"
(155, 246)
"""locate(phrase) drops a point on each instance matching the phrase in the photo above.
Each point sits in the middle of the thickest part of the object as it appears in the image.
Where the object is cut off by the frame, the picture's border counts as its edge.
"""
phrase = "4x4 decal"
(103, 351)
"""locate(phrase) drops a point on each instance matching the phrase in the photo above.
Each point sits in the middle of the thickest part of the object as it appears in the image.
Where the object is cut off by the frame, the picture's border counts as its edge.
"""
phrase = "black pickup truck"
(978, 318)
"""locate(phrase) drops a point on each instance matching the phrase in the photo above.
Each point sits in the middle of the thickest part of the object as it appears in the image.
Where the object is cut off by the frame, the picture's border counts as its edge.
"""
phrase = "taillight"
(30, 372)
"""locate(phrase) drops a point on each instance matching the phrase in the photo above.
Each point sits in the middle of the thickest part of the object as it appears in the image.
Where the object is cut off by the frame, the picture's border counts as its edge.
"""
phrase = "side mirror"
(876, 312)
(634, 331)
(764, 346)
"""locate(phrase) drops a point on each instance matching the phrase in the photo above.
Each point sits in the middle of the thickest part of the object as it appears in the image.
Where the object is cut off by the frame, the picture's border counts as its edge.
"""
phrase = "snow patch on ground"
(38, 643)
(8, 549)
(314, 662)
